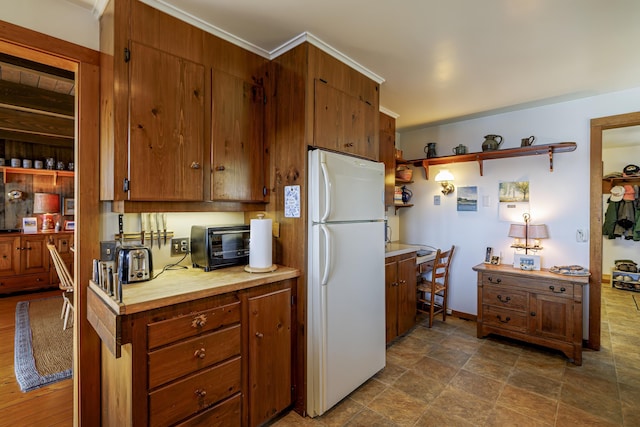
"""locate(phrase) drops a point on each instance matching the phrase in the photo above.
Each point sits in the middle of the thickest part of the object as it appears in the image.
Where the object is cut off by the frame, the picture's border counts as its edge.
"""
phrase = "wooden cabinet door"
(9, 255)
(551, 317)
(166, 127)
(406, 294)
(34, 256)
(237, 163)
(391, 299)
(269, 355)
(328, 123)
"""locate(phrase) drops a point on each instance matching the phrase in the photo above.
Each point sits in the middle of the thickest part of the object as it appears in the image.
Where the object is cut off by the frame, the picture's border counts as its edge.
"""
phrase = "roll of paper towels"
(260, 243)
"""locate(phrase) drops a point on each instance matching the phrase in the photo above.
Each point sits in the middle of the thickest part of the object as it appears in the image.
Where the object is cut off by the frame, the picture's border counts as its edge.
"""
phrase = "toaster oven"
(219, 246)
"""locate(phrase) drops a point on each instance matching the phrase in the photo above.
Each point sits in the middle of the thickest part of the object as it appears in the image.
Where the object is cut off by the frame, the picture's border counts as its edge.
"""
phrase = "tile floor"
(445, 376)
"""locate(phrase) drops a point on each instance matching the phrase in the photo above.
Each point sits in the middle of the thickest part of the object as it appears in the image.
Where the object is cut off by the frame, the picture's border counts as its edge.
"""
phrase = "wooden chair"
(433, 287)
(66, 284)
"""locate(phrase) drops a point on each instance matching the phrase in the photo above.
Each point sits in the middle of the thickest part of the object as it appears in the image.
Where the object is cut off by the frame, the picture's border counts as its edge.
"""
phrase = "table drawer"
(188, 356)
(505, 319)
(170, 330)
(224, 414)
(556, 287)
(25, 282)
(503, 296)
(184, 398)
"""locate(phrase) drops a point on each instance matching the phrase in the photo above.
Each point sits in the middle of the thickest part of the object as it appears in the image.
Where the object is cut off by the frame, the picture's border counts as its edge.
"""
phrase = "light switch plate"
(108, 250)
(436, 200)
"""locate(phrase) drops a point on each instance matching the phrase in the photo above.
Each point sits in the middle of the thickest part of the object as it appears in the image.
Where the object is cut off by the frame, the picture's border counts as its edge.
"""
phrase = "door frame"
(595, 223)
(85, 63)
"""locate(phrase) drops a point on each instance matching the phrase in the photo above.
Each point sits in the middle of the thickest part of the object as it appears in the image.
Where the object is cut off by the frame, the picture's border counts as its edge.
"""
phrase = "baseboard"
(465, 316)
(606, 278)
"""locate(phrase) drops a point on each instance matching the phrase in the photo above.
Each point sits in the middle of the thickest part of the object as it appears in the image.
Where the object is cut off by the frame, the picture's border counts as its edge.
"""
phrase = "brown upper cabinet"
(182, 113)
(388, 156)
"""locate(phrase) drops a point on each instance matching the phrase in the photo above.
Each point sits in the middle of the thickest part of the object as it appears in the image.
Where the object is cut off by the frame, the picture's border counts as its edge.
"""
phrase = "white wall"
(614, 160)
(57, 18)
(559, 199)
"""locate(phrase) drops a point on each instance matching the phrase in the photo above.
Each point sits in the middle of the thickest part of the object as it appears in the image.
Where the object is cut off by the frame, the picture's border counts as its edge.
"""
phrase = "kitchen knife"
(158, 225)
(164, 227)
(142, 229)
(150, 228)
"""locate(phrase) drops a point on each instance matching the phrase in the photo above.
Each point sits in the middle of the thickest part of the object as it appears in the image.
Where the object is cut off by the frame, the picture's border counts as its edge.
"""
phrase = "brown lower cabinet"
(400, 294)
(224, 360)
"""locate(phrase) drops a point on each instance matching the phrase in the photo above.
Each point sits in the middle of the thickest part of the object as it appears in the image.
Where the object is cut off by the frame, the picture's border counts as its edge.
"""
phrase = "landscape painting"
(467, 199)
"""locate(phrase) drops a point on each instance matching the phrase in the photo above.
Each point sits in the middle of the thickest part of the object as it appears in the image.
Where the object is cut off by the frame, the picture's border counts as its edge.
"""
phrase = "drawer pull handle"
(194, 165)
(394, 284)
(200, 353)
(259, 334)
(402, 282)
(505, 299)
(553, 289)
(199, 321)
(533, 313)
(201, 393)
(503, 321)
(497, 280)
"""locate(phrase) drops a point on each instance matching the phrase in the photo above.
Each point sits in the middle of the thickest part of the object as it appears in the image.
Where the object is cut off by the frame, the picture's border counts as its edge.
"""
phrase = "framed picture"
(68, 206)
(487, 255)
(30, 224)
(467, 199)
(495, 260)
(69, 225)
(526, 262)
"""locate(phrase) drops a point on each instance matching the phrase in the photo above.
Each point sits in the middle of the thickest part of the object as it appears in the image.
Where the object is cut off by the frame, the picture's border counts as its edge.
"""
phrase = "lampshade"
(538, 231)
(517, 230)
(444, 175)
(46, 203)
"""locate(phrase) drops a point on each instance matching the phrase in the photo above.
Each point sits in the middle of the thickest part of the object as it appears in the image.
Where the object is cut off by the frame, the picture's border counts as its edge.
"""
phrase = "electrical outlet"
(108, 251)
(179, 246)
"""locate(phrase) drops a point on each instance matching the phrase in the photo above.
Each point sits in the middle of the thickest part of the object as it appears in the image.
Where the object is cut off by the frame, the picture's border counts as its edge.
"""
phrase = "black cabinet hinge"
(264, 99)
(127, 54)
(293, 300)
(125, 184)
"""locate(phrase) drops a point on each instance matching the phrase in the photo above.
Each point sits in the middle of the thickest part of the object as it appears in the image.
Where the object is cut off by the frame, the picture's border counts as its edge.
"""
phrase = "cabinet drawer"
(224, 414)
(505, 319)
(25, 282)
(555, 287)
(188, 356)
(170, 330)
(503, 296)
(179, 400)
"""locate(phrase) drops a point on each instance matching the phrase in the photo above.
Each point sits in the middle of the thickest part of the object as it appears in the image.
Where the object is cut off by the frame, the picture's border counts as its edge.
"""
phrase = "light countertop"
(397, 248)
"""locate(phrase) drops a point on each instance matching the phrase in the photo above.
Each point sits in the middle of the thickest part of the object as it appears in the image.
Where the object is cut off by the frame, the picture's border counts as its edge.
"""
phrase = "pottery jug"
(406, 194)
(490, 142)
(527, 141)
(460, 149)
(430, 150)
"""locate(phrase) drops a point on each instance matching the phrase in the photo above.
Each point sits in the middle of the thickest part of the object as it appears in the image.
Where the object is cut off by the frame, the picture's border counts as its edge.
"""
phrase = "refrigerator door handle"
(327, 191)
(327, 255)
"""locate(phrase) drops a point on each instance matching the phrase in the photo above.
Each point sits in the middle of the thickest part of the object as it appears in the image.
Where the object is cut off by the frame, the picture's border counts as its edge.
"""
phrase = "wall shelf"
(53, 173)
(608, 183)
(549, 149)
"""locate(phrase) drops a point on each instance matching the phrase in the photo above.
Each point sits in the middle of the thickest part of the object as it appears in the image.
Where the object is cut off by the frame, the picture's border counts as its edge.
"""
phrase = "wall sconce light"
(527, 231)
(443, 177)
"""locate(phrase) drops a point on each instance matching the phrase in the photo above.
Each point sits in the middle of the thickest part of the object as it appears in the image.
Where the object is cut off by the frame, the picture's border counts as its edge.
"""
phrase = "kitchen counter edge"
(394, 249)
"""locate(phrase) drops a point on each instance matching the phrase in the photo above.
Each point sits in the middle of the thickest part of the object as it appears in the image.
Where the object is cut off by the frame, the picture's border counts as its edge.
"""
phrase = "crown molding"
(389, 112)
(98, 7)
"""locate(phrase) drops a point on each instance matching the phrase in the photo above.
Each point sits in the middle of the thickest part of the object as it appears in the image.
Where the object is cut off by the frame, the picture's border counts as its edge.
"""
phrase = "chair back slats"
(66, 280)
(432, 294)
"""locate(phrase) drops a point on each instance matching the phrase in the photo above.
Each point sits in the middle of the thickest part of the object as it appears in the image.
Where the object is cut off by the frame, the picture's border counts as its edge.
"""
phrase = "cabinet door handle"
(220, 168)
(200, 353)
(259, 334)
(497, 280)
(505, 300)
(195, 165)
(553, 289)
(201, 393)
(507, 319)
(394, 284)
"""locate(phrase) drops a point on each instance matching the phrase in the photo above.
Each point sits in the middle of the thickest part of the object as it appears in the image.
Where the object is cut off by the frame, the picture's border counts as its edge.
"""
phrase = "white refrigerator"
(345, 277)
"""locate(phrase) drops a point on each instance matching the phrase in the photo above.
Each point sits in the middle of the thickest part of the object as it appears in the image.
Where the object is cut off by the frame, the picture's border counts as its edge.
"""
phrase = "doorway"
(595, 207)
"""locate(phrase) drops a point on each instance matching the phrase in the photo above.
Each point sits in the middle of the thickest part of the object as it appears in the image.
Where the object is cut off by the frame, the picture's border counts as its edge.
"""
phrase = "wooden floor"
(50, 406)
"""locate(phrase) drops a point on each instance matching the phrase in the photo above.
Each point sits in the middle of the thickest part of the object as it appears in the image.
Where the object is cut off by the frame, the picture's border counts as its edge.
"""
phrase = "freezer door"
(346, 310)
(344, 188)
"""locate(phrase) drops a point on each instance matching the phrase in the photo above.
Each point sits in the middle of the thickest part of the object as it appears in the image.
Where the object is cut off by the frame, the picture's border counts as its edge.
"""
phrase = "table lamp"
(527, 231)
(48, 206)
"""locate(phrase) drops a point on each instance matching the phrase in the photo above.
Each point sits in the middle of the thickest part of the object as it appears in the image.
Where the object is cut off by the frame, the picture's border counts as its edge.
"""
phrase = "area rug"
(43, 352)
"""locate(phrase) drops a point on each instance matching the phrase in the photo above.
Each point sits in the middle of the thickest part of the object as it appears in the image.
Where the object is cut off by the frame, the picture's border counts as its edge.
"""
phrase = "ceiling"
(446, 60)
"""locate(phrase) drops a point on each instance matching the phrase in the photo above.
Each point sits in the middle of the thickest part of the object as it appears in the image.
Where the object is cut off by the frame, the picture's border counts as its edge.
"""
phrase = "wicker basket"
(404, 173)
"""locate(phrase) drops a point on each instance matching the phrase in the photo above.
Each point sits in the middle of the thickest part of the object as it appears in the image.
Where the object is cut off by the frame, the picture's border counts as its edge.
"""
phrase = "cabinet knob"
(402, 282)
(259, 334)
(553, 289)
(195, 165)
(220, 168)
(394, 284)
(200, 353)
(199, 321)
(505, 300)
(349, 144)
(533, 313)
(4, 256)
(506, 320)
(201, 393)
